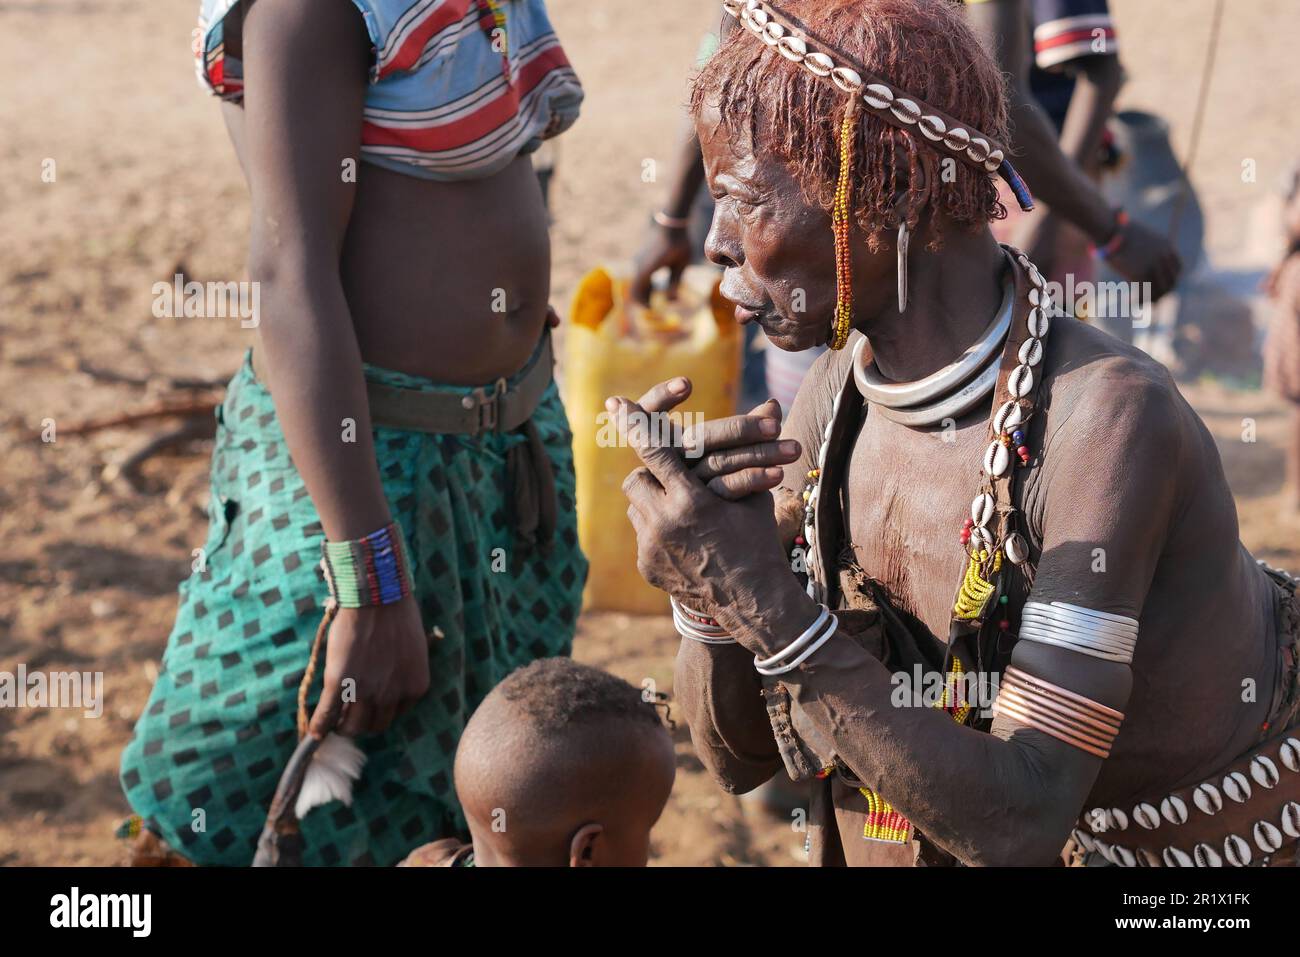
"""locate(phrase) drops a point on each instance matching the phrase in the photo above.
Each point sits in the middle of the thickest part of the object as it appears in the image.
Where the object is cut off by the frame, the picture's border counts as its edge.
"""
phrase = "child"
(562, 764)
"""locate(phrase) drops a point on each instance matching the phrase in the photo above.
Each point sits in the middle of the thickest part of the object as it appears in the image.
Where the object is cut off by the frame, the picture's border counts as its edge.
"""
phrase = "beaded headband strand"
(840, 226)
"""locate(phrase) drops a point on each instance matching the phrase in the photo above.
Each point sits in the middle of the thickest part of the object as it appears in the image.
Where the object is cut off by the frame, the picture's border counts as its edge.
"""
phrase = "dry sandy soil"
(146, 186)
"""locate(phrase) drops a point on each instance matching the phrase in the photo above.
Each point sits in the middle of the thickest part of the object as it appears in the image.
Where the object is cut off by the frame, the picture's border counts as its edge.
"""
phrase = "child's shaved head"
(563, 763)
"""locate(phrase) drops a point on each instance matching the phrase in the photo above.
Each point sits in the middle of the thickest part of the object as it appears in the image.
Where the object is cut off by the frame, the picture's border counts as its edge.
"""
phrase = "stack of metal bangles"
(1059, 712)
(374, 570)
(802, 648)
(698, 626)
(1096, 633)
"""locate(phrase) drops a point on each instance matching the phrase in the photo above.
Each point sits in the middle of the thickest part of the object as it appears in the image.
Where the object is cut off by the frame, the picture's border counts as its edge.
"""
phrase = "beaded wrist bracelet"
(374, 570)
(1116, 241)
(698, 626)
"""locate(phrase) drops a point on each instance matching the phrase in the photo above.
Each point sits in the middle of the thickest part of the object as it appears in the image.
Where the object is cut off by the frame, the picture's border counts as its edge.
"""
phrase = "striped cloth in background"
(1067, 29)
(450, 96)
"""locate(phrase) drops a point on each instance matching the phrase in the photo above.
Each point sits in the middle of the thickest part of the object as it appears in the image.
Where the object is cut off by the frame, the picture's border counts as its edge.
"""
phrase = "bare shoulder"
(1112, 397)
(1121, 458)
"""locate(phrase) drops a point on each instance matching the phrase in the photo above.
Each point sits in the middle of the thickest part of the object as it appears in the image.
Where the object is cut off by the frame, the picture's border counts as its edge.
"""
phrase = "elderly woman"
(935, 617)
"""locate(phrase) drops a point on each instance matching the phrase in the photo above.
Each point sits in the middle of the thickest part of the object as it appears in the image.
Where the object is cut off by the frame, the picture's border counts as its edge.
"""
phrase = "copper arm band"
(1063, 714)
(1038, 684)
(1063, 722)
(1000, 708)
(1086, 719)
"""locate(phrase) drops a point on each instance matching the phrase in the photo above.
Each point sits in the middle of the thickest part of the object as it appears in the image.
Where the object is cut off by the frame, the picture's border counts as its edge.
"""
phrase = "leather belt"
(500, 407)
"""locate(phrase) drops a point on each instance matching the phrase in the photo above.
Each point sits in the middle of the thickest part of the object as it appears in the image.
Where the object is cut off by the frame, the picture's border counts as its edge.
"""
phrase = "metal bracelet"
(807, 653)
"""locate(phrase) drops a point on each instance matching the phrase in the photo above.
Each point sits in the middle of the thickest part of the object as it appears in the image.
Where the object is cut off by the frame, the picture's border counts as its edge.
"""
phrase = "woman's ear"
(582, 849)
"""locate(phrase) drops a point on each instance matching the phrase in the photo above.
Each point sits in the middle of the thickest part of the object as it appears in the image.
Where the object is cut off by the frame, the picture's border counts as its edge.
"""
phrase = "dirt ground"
(145, 186)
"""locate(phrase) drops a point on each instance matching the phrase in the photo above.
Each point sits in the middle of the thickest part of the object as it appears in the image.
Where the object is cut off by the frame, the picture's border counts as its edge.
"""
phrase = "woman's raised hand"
(735, 456)
(700, 546)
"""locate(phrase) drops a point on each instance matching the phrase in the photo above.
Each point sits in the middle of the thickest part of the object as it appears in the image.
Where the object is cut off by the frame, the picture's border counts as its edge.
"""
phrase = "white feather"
(334, 766)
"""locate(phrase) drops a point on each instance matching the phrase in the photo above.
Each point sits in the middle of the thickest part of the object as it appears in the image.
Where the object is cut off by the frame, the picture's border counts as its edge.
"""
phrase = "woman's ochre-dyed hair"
(923, 47)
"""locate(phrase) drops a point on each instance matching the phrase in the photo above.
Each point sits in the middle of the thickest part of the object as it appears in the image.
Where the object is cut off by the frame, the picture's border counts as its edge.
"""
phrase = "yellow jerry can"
(615, 347)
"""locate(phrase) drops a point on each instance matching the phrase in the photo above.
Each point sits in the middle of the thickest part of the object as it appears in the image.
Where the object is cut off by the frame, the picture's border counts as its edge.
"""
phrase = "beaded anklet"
(374, 570)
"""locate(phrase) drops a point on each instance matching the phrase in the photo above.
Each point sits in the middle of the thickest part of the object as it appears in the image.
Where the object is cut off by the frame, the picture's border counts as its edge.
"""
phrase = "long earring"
(902, 265)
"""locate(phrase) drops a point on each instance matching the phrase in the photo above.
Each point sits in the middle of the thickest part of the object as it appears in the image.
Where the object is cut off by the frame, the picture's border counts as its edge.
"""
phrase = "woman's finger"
(642, 488)
(738, 485)
(356, 719)
(768, 409)
(659, 453)
(728, 433)
(752, 456)
(666, 395)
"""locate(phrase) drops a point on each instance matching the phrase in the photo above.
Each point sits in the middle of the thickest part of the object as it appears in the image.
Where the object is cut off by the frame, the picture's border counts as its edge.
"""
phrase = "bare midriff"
(448, 280)
(445, 280)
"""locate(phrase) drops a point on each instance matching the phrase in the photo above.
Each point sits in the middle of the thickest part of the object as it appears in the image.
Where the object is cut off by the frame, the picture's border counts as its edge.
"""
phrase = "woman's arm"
(1098, 79)
(668, 244)
(306, 72)
(1145, 256)
(306, 68)
(1003, 27)
(1005, 798)
(721, 696)
(1097, 82)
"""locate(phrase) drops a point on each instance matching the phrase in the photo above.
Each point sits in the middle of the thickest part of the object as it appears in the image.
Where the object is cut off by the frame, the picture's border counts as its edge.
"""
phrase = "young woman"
(398, 407)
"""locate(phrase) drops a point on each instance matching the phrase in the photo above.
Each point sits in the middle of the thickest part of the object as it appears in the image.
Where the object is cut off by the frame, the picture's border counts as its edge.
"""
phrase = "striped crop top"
(458, 88)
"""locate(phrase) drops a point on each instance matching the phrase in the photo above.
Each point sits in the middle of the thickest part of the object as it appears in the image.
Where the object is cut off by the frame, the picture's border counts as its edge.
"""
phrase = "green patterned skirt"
(220, 723)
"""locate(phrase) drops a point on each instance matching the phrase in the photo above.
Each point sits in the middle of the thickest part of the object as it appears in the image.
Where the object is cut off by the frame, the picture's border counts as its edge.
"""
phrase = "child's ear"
(582, 849)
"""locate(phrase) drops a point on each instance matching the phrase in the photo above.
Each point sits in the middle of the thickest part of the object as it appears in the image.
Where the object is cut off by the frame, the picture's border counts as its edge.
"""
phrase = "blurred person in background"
(1282, 346)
